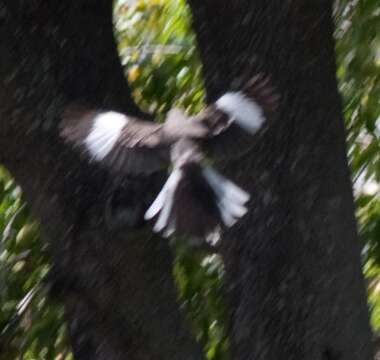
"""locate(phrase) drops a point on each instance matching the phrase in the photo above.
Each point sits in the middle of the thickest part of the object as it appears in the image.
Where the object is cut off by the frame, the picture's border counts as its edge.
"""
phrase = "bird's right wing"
(123, 144)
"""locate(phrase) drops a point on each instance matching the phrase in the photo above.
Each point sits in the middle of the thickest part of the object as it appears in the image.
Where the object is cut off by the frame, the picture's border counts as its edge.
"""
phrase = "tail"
(195, 201)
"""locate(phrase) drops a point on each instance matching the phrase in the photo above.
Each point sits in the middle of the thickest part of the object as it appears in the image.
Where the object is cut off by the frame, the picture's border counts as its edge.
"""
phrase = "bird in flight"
(196, 199)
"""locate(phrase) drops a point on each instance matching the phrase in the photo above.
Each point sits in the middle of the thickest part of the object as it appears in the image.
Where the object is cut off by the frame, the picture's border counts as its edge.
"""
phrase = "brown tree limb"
(293, 266)
(116, 284)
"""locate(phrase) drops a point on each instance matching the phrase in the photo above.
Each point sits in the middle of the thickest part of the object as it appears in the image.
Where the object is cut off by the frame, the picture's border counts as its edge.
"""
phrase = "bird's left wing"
(122, 143)
(237, 116)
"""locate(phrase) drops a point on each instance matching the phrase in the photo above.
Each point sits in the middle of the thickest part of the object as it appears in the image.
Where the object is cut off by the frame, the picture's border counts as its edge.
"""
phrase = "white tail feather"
(236, 209)
(170, 229)
(230, 201)
(227, 218)
(164, 216)
(231, 212)
(231, 198)
(225, 187)
(161, 199)
(165, 204)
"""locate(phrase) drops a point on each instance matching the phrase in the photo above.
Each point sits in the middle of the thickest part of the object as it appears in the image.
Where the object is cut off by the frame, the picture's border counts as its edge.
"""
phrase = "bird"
(196, 200)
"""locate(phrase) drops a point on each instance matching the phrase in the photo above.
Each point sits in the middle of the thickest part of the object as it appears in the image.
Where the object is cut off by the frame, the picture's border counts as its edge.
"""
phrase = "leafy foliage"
(158, 52)
(30, 326)
(358, 52)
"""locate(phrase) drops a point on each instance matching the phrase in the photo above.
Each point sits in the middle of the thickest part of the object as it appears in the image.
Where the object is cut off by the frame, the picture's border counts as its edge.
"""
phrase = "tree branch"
(116, 285)
(293, 266)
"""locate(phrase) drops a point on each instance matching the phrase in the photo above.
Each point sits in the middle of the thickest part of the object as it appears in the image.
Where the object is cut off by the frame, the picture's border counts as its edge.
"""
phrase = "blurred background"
(158, 51)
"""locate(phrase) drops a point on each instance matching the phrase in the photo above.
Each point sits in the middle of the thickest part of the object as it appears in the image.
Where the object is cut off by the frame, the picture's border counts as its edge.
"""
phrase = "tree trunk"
(293, 270)
(116, 284)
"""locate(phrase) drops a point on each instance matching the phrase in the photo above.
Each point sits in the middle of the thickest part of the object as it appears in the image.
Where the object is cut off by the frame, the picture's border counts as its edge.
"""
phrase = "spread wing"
(133, 146)
(124, 144)
(237, 116)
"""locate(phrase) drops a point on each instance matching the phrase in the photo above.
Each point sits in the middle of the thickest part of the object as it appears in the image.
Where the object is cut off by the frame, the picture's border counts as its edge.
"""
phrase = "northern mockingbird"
(195, 199)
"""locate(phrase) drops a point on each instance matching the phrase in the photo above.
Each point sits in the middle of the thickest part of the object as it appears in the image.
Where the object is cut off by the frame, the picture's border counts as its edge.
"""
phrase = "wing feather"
(237, 116)
(121, 143)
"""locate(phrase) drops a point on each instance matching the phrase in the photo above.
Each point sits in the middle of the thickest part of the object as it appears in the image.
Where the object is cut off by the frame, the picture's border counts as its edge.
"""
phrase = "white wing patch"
(104, 134)
(244, 111)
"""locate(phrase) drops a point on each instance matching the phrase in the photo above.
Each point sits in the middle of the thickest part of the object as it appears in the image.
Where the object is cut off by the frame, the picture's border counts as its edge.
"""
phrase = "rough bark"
(293, 265)
(116, 284)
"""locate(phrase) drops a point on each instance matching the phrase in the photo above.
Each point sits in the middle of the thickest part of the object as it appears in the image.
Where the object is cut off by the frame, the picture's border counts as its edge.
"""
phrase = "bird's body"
(195, 199)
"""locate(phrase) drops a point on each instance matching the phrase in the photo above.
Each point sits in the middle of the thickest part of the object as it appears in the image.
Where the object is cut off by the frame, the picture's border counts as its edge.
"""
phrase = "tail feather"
(224, 187)
(163, 220)
(195, 201)
(231, 199)
(235, 209)
(165, 193)
(170, 229)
